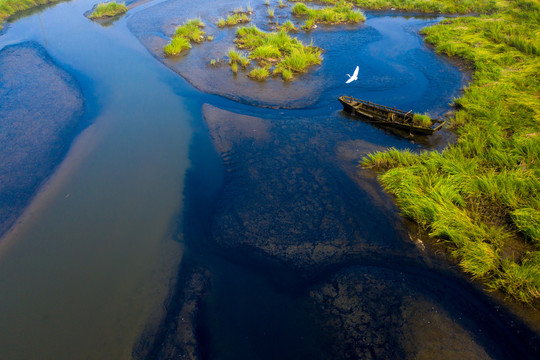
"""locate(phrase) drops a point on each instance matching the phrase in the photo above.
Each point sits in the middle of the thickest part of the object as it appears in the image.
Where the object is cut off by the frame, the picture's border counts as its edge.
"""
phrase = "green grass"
(422, 120)
(266, 52)
(234, 67)
(270, 13)
(259, 73)
(277, 49)
(109, 9)
(11, 7)
(341, 12)
(189, 32)
(432, 6)
(481, 194)
(234, 19)
(236, 58)
(176, 46)
(299, 9)
(288, 26)
(426, 6)
(286, 74)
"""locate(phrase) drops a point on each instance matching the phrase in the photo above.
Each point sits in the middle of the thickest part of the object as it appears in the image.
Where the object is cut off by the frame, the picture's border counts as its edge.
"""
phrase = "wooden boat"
(387, 116)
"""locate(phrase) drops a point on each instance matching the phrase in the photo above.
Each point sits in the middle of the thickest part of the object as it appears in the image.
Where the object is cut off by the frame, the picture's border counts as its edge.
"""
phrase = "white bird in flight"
(353, 77)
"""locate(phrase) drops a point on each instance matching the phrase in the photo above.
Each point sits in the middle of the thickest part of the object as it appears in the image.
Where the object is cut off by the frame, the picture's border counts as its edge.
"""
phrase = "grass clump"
(234, 67)
(277, 49)
(422, 120)
(341, 12)
(191, 30)
(184, 35)
(270, 13)
(268, 52)
(288, 26)
(234, 19)
(259, 73)
(299, 9)
(236, 58)
(109, 9)
(176, 46)
(481, 194)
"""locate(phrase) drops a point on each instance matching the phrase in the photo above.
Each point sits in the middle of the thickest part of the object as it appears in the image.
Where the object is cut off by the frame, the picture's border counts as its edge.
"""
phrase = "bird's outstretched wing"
(354, 76)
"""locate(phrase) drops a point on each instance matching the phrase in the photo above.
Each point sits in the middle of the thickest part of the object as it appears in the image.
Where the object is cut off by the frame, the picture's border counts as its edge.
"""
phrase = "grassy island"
(190, 31)
(110, 9)
(277, 52)
(10, 7)
(341, 12)
(480, 197)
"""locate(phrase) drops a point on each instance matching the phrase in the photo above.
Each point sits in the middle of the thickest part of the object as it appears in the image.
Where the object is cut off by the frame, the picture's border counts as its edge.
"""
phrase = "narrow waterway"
(186, 224)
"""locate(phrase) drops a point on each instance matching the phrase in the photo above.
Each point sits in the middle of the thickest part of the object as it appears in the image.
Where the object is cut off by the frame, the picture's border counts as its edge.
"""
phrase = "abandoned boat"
(389, 117)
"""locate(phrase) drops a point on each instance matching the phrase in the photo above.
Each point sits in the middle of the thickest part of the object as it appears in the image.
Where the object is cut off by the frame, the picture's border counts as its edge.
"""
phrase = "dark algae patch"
(480, 196)
(39, 113)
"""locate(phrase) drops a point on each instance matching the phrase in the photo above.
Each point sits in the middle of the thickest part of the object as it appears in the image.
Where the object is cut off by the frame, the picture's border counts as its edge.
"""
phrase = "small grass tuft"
(176, 46)
(234, 19)
(422, 120)
(288, 26)
(259, 74)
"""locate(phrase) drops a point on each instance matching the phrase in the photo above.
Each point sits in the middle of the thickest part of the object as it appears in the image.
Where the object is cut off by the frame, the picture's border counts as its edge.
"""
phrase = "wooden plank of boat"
(386, 116)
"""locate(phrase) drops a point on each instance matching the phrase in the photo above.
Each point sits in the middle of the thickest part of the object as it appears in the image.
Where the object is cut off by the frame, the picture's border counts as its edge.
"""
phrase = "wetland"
(180, 210)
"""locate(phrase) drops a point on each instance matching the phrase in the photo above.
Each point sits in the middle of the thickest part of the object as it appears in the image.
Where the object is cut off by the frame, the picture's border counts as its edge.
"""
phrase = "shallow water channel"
(182, 223)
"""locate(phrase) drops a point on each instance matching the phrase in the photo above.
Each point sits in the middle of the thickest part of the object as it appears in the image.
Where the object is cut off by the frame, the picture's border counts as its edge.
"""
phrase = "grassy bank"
(10, 7)
(427, 6)
(109, 9)
(480, 196)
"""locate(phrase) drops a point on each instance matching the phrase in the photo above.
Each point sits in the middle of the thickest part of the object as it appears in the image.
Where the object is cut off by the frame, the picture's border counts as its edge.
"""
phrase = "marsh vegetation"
(426, 6)
(110, 9)
(341, 12)
(480, 196)
(184, 35)
(239, 16)
(276, 52)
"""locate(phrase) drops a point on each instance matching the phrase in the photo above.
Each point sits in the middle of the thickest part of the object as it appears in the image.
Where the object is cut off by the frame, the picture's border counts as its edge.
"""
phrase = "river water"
(301, 254)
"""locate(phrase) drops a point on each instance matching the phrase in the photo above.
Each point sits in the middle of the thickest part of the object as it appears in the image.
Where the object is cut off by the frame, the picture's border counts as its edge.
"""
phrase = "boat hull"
(383, 116)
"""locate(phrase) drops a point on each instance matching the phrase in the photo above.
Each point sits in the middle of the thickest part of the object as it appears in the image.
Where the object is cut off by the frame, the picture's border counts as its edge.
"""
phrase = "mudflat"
(40, 109)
